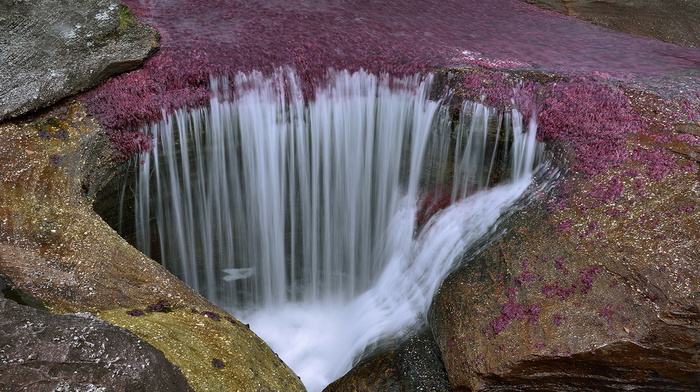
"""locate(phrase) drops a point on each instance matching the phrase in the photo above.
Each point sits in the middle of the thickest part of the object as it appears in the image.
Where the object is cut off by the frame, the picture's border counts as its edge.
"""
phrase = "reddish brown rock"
(674, 21)
(594, 287)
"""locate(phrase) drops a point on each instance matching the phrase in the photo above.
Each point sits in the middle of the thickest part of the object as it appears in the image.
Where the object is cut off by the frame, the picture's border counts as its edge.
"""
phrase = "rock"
(57, 252)
(674, 21)
(411, 365)
(598, 293)
(42, 351)
(53, 49)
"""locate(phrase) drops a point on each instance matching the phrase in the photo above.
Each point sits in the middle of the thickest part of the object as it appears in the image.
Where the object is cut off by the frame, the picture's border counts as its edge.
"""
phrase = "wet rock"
(41, 351)
(674, 21)
(53, 49)
(56, 252)
(590, 294)
(412, 365)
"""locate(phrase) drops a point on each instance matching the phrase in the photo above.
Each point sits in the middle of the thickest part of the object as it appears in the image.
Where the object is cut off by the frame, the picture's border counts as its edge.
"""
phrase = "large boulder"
(55, 48)
(594, 286)
(674, 21)
(57, 252)
(42, 351)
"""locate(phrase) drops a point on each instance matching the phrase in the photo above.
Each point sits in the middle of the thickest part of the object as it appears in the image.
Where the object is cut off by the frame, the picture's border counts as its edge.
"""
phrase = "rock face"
(42, 351)
(595, 285)
(56, 251)
(52, 49)
(674, 21)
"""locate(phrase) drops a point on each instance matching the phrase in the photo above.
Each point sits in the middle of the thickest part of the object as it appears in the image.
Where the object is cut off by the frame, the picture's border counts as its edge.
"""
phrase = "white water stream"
(300, 218)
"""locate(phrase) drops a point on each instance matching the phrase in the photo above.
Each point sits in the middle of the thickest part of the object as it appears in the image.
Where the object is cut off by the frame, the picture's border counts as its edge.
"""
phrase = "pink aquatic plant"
(398, 37)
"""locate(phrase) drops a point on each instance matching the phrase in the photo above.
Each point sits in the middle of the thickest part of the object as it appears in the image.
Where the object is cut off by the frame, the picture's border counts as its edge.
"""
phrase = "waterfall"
(326, 224)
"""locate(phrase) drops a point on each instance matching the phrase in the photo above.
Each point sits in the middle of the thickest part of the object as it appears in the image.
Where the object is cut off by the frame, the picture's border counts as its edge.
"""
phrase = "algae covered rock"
(52, 49)
(57, 252)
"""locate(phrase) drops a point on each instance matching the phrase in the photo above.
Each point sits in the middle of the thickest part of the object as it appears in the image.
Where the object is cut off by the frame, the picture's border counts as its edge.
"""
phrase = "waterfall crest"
(359, 201)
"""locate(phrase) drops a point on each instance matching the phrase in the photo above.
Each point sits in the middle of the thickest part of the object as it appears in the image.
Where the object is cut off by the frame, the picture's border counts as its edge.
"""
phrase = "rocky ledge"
(52, 49)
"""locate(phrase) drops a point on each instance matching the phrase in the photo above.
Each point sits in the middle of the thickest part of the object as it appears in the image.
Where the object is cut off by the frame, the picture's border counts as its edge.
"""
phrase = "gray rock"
(411, 365)
(41, 351)
(51, 49)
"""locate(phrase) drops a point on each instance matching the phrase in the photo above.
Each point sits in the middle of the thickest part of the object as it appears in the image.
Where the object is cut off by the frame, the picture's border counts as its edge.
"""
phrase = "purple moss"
(605, 193)
(557, 290)
(44, 134)
(586, 278)
(592, 118)
(129, 143)
(135, 312)
(560, 265)
(564, 225)
(162, 306)
(62, 134)
(658, 163)
(512, 311)
(533, 314)
(558, 319)
(55, 159)
(212, 315)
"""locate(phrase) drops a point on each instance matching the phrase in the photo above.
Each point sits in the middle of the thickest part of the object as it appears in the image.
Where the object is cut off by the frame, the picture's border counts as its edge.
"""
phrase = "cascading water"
(326, 225)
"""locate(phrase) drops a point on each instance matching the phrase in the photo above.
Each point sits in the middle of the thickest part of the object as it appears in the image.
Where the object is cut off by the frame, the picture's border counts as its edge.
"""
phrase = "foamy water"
(320, 339)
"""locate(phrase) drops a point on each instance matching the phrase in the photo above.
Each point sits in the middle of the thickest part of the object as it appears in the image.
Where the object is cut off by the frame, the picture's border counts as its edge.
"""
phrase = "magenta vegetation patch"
(588, 115)
(203, 38)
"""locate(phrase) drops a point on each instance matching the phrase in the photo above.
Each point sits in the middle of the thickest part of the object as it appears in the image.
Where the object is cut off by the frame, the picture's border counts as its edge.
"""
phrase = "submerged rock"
(52, 49)
(674, 21)
(42, 351)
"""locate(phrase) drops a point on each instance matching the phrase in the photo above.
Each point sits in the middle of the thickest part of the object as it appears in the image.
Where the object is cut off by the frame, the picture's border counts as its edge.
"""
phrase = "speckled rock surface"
(56, 251)
(52, 49)
(41, 351)
(674, 21)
